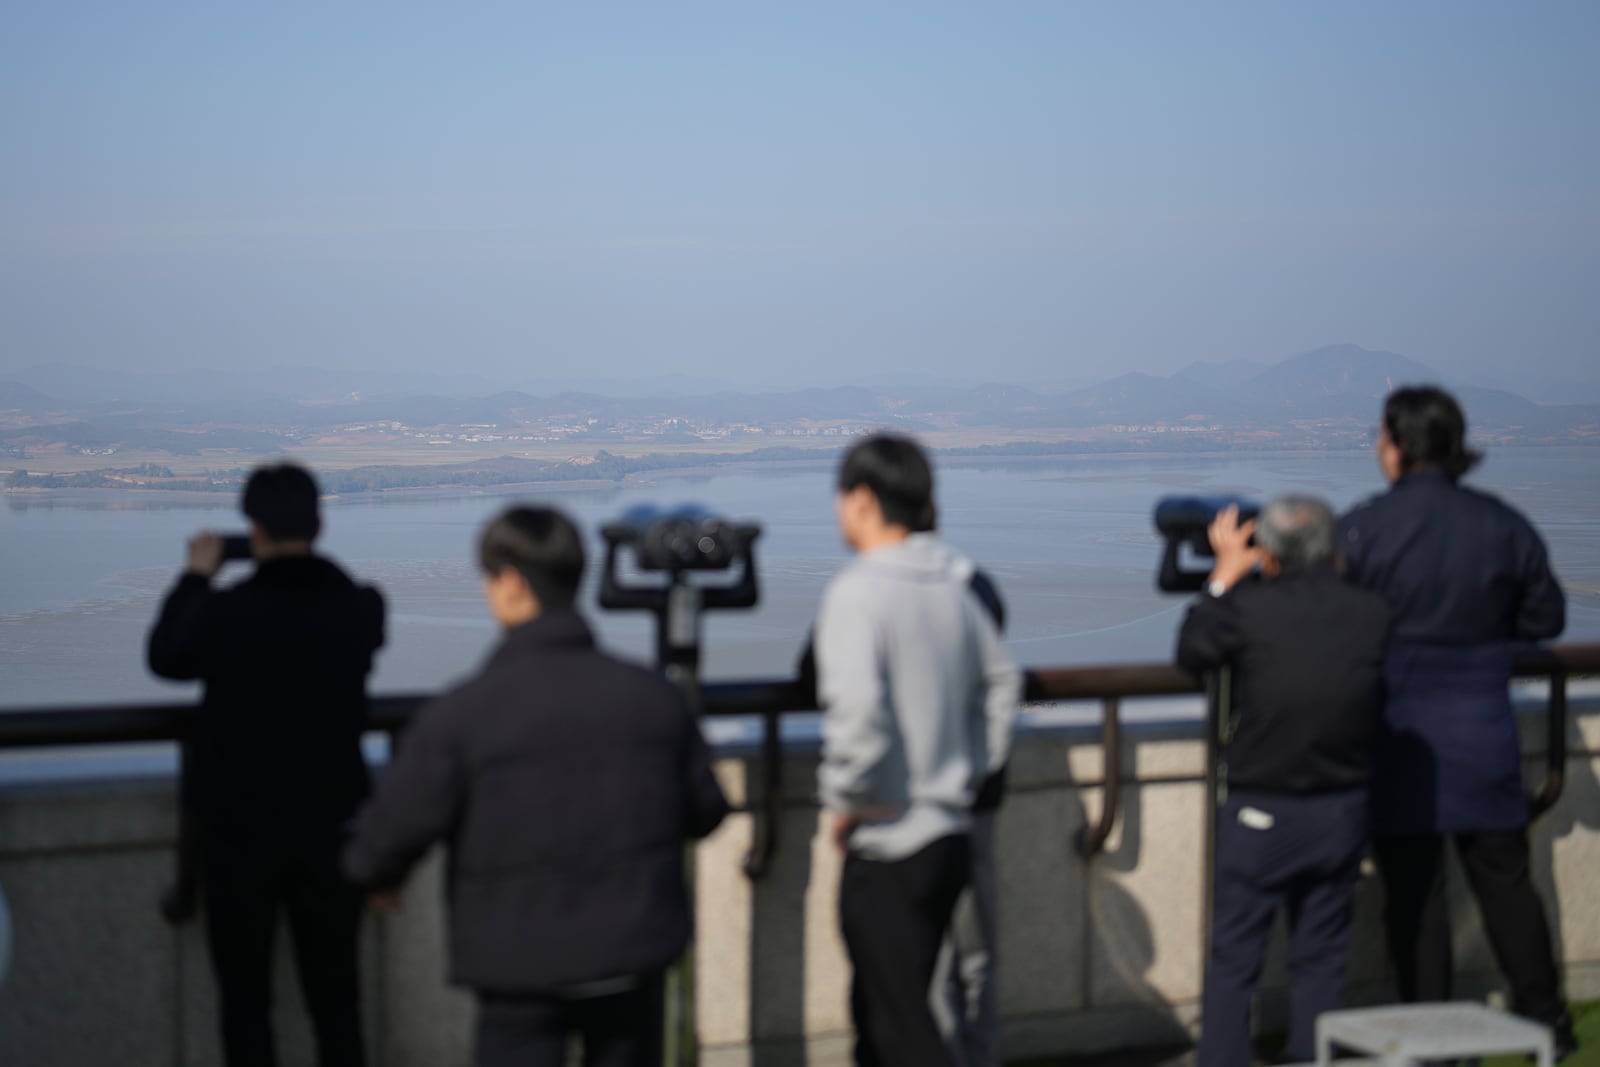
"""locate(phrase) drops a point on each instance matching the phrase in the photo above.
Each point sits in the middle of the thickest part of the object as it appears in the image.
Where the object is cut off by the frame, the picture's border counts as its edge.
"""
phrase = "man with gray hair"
(1307, 651)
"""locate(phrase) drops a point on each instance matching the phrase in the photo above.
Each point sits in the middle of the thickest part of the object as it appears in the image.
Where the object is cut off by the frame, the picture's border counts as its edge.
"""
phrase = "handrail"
(1091, 842)
(771, 698)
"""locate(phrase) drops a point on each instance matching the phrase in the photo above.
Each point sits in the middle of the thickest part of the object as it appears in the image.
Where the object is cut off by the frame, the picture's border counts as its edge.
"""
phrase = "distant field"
(347, 455)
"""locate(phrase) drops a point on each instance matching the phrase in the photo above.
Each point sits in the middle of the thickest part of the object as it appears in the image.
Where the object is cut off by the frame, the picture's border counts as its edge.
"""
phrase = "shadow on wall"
(784, 917)
(1141, 963)
(1564, 851)
(1083, 964)
(1563, 854)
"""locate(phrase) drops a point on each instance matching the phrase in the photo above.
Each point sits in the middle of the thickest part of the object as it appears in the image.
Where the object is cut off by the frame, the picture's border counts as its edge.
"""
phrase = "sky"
(778, 195)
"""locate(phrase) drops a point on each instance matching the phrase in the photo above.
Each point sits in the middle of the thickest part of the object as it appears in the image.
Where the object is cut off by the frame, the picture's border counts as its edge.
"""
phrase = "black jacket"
(1458, 566)
(1307, 652)
(284, 655)
(565, 782)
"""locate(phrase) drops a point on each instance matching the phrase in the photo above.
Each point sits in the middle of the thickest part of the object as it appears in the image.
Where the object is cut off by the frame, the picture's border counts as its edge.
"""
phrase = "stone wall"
(1096, 954)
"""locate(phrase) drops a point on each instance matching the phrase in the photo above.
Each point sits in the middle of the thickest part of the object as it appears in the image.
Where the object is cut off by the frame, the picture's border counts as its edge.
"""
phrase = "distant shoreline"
(479, 479)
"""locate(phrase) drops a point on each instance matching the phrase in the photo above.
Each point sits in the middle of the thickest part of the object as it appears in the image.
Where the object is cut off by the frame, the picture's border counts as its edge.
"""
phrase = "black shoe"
(1563, 1042)
(1566, 1042)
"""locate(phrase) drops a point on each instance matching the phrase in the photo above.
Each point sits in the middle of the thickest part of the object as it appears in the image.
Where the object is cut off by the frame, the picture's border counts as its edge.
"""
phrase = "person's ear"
(861, 503)
(507, 583)
(511, 600)
(1391, 460)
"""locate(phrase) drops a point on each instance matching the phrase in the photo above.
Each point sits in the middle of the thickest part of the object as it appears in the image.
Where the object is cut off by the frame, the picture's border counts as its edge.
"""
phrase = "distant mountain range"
(1340, 383)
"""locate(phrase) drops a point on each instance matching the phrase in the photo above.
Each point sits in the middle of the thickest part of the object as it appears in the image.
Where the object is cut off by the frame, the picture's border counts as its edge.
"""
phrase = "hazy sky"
(800, 193)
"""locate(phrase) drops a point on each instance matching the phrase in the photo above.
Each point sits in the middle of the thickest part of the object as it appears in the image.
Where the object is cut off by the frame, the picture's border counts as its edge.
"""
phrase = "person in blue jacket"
(1468, 579)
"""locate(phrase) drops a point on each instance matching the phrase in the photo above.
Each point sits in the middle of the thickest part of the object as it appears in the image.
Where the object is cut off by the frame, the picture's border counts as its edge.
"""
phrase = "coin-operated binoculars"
(677, 544)
(1182, 522)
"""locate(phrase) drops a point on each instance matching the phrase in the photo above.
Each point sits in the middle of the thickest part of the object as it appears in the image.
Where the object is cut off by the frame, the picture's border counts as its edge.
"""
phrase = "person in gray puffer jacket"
(918, 701)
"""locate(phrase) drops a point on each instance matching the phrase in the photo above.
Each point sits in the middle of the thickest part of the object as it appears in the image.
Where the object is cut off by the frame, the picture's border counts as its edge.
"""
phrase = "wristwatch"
(1216, 587)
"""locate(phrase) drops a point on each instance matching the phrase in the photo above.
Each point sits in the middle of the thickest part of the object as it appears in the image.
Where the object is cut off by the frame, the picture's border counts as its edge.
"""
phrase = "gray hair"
(1297, 530)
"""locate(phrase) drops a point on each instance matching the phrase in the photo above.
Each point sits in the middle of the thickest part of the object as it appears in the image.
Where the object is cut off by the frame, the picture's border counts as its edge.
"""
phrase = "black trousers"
(247, 883)
(1418, 917)
(622, 1029)
(893, 916)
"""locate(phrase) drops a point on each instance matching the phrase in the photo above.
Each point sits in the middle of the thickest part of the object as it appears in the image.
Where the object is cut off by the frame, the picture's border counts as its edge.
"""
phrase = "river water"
(1069, 540)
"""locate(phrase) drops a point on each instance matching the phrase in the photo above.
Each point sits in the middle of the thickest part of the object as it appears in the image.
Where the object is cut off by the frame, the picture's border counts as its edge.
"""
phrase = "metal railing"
(771, 699)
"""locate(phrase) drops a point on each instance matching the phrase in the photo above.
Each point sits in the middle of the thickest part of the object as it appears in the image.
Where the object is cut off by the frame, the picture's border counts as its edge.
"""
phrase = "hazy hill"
(1220, 374)
(1336, 381)
(1496, 409)
(1143, 398)
(1339, 385)
(82, 387)
(24, 400)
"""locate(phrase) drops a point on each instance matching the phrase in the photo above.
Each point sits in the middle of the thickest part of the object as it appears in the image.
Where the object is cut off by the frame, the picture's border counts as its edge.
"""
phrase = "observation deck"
(1103, 865)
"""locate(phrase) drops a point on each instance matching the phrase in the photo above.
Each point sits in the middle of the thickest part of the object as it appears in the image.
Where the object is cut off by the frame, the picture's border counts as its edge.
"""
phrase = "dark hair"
(543, 546)
(1427, 425)
(896, 471)
(282, 500)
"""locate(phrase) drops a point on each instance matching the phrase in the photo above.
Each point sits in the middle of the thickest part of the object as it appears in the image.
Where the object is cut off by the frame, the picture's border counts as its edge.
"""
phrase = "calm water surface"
(1069, 539)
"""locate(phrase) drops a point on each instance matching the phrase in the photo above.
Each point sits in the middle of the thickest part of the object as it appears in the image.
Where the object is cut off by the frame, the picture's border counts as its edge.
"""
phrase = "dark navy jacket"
(1468, 579)
(565, 782)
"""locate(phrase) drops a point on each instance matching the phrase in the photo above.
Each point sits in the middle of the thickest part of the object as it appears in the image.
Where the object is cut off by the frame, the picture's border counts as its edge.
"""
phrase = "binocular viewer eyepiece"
(676, 543)
(683, 539)
(1183, 521)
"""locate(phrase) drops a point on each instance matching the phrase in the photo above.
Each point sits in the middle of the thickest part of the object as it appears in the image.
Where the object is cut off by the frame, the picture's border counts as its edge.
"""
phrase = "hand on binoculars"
(1230, 541)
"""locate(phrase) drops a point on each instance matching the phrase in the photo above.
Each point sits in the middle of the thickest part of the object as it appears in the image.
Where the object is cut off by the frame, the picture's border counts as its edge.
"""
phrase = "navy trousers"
(1418, 917)
(1303, 853)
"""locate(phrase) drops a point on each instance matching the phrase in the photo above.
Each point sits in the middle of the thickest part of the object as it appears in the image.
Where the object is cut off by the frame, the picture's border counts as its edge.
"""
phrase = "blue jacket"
(1468, 579)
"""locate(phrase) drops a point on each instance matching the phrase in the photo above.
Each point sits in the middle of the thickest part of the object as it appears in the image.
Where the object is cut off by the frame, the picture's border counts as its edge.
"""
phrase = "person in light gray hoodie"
(918, 701)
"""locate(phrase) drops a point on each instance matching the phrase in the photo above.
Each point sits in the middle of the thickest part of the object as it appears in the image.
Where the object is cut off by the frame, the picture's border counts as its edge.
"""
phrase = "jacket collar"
(1426, 476)
(311, 570)
(1322, 570)
(563, 628)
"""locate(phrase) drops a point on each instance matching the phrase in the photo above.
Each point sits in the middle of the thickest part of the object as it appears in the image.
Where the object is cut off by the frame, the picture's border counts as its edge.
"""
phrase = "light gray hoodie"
(918, 696)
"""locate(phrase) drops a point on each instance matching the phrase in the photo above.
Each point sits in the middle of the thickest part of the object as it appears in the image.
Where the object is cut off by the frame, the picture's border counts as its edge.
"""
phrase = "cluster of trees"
(602, 467)
(108, 480)
(117, 478)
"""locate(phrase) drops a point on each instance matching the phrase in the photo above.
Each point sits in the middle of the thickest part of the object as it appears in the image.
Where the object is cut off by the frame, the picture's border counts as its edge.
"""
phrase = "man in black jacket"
(1307, 655)
(565, 782)
(275, 771)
